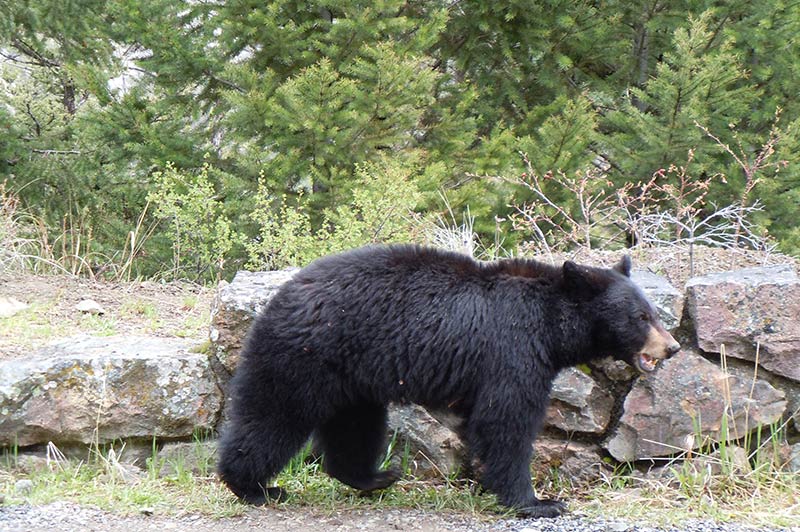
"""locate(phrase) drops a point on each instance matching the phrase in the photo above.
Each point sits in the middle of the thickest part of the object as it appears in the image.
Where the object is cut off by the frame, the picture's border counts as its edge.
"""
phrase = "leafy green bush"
(381, 209)
(202, 235)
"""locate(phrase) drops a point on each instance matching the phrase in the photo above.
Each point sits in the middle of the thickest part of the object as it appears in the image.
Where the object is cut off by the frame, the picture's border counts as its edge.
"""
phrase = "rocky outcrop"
(752, 313)
(673, 409)
(88, 390)
(686, 400)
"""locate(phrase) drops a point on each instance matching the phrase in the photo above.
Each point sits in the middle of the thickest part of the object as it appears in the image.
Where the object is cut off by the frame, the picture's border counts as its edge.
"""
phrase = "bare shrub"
(599, 211)
(670, 210)
(22, 244)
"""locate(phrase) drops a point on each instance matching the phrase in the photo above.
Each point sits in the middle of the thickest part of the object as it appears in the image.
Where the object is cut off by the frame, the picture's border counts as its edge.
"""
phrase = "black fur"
(353, 332)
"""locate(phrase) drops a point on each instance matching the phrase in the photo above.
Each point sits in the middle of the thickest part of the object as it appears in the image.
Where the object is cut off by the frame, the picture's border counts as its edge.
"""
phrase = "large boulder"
(87, 389)
(578, 403)
(684, 401)
(235, 306)
(752, 313)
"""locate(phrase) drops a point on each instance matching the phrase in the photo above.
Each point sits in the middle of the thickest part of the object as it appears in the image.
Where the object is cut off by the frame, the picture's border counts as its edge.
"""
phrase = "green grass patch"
(33, 325)
(102, 481)
(193, 324)
(687, 490)
(769, 502)
(307, 485)
(94, 484)
(145, 312)
(98, 325)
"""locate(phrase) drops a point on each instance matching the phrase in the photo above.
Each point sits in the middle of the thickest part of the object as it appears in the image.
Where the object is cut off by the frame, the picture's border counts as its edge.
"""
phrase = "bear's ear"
(572, 271)
(582, 281)
(624, 266)
(578, 278)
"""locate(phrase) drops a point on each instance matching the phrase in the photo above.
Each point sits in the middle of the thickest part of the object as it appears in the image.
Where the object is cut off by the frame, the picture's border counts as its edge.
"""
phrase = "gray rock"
(747, 308)
(735, 459)
(31, 462)
(790, 388)
(684, 401)
(578, 461)
(90, 306)
(667, 299)
(434, 449)
(794, 458)
(234, 307)
(792, 391)
(23, 486)
(615, 370)
(578, 403)
(10, 306)
(120, 387)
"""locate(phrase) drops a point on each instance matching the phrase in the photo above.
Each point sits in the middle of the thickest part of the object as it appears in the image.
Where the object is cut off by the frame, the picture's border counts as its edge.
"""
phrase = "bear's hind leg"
(352, 442)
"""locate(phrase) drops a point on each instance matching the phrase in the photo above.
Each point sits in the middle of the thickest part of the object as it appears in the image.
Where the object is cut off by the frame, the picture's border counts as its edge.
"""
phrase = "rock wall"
(99, 389)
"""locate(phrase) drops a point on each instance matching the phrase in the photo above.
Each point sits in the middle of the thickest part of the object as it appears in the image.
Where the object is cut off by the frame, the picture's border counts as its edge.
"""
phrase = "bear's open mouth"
(645, 363)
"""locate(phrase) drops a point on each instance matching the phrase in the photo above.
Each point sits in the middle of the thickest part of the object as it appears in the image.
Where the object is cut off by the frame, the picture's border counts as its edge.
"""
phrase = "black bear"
(353, 332)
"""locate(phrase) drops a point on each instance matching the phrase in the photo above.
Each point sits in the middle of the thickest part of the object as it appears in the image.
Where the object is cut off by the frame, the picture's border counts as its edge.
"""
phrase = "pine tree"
(695, 83)
(323, 86)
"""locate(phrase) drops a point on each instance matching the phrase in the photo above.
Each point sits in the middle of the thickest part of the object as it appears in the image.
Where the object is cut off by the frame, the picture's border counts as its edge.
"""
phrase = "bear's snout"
(659, 345)
(673, 348)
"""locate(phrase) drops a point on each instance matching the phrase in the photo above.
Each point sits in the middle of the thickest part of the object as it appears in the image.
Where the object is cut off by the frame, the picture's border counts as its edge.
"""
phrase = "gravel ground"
(68, 517)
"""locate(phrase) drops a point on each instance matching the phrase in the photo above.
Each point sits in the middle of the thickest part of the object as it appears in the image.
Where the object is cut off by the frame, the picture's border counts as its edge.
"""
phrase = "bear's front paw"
(380, 481)
(263, 496)
(543, 508)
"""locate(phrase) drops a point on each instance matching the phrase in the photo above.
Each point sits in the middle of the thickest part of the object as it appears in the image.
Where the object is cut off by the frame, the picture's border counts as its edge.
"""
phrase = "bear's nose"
(673, 348)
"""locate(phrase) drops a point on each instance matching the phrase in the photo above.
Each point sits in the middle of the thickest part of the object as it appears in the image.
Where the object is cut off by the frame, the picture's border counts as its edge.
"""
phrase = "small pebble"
(23, 486)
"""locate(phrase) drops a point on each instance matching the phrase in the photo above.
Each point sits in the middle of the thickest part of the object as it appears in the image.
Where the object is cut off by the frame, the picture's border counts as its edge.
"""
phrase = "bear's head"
(624, 324)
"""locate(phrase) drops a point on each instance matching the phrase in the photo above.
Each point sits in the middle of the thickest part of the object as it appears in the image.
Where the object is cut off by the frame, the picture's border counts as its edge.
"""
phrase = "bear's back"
(424, 263)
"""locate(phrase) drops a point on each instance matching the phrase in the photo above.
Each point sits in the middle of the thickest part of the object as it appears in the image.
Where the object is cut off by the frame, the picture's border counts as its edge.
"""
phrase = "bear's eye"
(644, 316)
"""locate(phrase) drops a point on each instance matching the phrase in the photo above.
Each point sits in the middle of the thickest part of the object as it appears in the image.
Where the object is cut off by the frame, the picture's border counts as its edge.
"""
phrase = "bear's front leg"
(504, 446)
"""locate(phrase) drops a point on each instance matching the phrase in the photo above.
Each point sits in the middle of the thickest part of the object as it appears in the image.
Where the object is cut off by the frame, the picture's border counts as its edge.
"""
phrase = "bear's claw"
(543, 508)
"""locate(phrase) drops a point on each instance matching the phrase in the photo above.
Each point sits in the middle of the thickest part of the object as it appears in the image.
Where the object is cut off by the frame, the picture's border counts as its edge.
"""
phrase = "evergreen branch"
(224, 82)
(37, 125)
(16, 59)
(57, 152)
(30, 51)
(716, 32)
